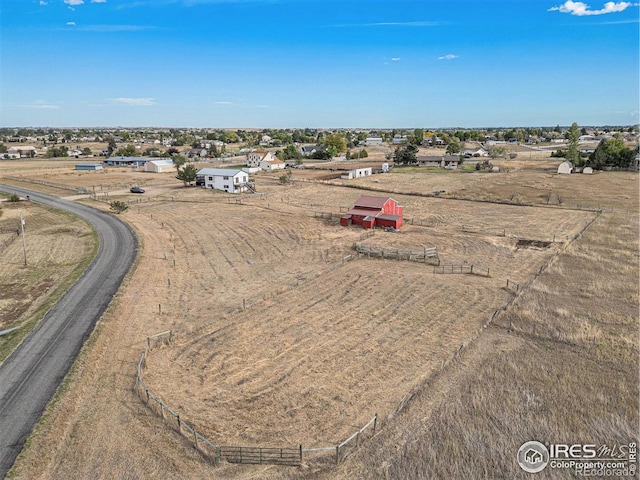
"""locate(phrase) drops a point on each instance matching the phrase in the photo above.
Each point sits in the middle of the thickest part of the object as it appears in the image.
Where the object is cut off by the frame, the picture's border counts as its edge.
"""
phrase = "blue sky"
(318, 63)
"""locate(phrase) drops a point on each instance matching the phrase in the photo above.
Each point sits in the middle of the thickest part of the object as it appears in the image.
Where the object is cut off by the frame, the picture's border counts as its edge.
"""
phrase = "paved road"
(31, 375)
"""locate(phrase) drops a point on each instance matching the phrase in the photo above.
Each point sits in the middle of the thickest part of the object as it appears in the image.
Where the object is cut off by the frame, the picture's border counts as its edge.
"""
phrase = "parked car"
(137, 190)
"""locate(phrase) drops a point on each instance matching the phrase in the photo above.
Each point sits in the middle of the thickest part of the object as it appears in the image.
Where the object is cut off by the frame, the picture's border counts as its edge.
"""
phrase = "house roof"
(219, 172)
(369, 201)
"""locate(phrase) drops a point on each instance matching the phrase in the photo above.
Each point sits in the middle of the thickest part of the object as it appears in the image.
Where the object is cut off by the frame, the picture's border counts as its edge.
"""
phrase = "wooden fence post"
(300, 448)
(375, 421)
(179, 424)
(337, 454)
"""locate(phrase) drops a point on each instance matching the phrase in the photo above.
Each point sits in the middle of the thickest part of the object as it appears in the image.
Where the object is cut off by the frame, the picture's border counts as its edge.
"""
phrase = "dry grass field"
(323, 344)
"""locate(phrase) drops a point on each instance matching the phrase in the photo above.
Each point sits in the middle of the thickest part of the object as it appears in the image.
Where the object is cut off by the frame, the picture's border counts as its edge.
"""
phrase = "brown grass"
(321, 346)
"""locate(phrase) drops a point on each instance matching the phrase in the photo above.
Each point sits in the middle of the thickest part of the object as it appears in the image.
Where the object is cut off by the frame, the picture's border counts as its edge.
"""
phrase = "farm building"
(88, 166)
(372, 141)
(24, 151)
(225, 179)
(159, 166)
(370, 212)
(357, 173)
(587, 170)
(565, 167)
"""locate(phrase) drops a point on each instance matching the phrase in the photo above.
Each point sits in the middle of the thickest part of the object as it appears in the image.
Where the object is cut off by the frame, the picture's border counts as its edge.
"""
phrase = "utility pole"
(24, 243)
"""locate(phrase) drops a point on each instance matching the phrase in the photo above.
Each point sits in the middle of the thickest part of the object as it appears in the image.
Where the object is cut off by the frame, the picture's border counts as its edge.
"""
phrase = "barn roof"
(361, 211)
(388, 216)
(369, 201)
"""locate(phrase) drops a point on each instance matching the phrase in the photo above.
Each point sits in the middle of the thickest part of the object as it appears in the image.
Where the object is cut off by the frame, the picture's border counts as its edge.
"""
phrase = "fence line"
(396, 253)
(462, 269)
(512, 284)
(292, 456)
(47, 183)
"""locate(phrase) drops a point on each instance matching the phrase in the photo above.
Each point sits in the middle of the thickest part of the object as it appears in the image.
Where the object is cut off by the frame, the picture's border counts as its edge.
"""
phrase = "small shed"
(587, 170)
(88, 166)
(565, 167)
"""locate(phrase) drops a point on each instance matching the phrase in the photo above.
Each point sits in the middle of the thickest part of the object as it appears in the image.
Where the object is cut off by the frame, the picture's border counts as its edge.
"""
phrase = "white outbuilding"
(159, 166)
(565, 167)
(587, 170)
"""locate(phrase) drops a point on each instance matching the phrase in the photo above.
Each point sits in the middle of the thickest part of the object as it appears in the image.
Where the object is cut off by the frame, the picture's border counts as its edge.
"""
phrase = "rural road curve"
(31, 374)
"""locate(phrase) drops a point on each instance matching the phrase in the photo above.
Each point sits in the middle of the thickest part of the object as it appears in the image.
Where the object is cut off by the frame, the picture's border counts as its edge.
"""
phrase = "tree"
(573, 153)
(128, 151)
(119, 207)
(612, 153)
(111, 146)
(179, 161)
(290, 152)
(187, 174)
(496, 151)
(335, 144)
(454, 146)
(406, 155)
(86, 151)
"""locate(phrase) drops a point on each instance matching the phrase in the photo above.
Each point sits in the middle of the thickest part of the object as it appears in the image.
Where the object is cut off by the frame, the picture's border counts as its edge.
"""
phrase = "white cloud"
(223, 103)
(73, 24)
(134, 102)
(581, 9)
(449, 56)
(74, 2)
(42, 2)
(98, 1)
(395, 59)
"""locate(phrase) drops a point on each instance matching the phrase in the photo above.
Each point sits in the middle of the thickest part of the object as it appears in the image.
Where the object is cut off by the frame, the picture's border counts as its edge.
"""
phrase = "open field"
(58, 248)
(323, 345)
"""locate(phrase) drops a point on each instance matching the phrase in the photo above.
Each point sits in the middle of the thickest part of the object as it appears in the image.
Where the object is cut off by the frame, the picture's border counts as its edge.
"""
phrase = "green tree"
(179, 161)
(612, 153)
(454, 146)
(406, 155)
(119, 207)
(290, 152)
(363, 154)
(573, 153)
(335, 144)
(86, 151)
(128, 151)
(187, 174)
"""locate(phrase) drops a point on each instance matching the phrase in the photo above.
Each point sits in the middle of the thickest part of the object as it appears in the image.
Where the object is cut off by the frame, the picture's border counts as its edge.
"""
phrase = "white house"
(255, 158)
(272, 165)
(565, 167)
(225, 179)
(159, 166)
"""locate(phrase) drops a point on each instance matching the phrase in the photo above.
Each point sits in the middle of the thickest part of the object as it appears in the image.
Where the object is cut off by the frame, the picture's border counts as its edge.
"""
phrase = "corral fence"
(78, 190)
(292, 456)
(427, 253)
(462, 269)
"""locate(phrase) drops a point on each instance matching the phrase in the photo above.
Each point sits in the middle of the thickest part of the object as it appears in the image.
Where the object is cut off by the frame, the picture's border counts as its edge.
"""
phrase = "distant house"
(265, 141)
(225, 179)
(159, 165)
(446, 161)
(370, 211)
(256, 157)
(272, 165)
(311, 149)
(397, 140)
(126, 161)
(196, 153)
(357, 173)
(565, 167)
(23, 151)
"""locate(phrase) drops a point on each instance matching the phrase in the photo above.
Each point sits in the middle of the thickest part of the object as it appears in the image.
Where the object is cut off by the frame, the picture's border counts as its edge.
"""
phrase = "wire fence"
(291, 456)
(79, 190)
(4, 244)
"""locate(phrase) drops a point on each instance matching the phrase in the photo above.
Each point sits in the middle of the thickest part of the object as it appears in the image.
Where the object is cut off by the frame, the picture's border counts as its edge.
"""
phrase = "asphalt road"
(31, 375)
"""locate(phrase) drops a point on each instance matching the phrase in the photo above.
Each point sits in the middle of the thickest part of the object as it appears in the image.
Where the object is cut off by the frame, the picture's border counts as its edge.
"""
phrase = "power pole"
(24, 243)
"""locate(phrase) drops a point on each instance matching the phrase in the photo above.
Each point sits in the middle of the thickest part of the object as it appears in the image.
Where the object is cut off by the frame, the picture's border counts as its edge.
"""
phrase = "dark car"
(137, 190)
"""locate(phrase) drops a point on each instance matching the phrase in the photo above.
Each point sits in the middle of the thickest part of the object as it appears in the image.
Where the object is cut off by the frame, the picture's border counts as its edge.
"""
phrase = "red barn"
(371, 211)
